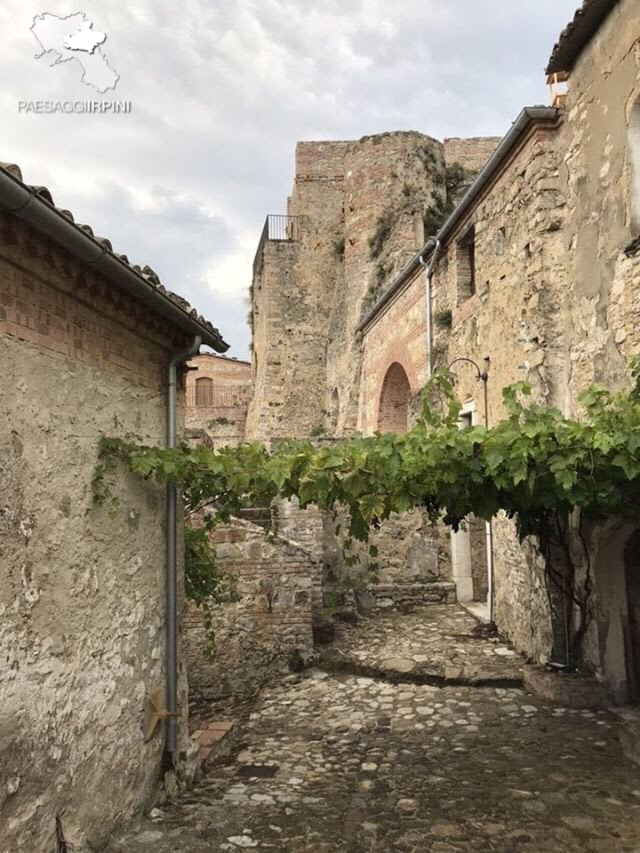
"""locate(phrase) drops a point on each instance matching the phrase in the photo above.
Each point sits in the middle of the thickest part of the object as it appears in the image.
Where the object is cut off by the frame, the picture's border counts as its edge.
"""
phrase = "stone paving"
(440, 644)
(338, 762)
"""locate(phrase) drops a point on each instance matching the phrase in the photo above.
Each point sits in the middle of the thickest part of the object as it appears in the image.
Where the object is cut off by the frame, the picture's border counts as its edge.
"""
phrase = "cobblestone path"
(340, 762)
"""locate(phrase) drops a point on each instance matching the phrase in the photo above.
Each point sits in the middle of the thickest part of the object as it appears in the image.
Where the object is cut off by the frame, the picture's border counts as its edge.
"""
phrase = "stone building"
(507, 259)
(535, 276)
(86, 340)
(357, 214)
(218, 393)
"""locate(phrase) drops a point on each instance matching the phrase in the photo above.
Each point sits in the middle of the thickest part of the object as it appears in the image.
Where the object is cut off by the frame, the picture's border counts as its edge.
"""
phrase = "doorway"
(632, 628)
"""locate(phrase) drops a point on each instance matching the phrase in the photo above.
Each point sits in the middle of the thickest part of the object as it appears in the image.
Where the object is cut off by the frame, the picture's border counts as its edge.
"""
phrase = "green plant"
(381, 233)
(454, 178)
(436, 214)
(540, 467)
(444, 319)
(204, 583)
(427, 157)
(442, 204)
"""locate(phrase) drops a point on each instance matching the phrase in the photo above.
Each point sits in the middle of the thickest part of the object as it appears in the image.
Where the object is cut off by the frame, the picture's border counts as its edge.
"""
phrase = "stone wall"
(598, 149)
(292, 293)
(82, 592)
(359, 210)
(217, 407)
(471, 153)
(390, 180)
(278, 585)
(553, 301)
(303, 526)
(512, 319)
(600, 155)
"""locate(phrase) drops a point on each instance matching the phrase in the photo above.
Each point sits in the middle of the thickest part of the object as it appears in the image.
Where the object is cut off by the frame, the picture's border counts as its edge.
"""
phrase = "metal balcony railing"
(276, 228)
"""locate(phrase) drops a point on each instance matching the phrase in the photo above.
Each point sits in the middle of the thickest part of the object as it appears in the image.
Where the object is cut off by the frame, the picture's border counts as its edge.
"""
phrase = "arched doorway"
(393, 410)
(632, 583)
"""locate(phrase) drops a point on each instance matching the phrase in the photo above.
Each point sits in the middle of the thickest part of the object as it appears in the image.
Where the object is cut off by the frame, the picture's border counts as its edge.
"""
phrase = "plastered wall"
(82, 587)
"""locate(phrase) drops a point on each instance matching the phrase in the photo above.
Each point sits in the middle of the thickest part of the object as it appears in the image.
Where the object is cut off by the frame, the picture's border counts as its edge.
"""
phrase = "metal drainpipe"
(488, 526)
(429, 268)
(171, 611)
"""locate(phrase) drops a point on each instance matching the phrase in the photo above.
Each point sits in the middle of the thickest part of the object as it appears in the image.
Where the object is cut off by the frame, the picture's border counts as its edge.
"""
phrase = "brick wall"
(218, 390)
(279, 589)
(390, 180)
(471, 153)
(82, 592)
(56, 303)
(398, 336)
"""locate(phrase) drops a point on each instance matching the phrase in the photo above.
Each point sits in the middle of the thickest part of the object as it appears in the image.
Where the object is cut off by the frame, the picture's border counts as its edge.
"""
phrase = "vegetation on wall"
(551, 474)
(443, 204)
(444, 319)
(381, 232)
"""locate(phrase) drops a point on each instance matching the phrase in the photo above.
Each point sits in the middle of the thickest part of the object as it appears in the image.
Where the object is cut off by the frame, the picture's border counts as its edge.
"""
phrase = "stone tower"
(355, 217)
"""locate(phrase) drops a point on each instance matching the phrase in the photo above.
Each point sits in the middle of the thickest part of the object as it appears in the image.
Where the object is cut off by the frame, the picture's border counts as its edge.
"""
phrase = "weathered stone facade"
(278, 589)
(218, 392)
(356, 216)
(79, 661)
(357, 213)
(82, 624)
(539, 273)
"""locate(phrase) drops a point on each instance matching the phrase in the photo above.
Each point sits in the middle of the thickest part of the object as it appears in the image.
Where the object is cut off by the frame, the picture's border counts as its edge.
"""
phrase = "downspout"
(171, 597)
(429, 269)
(488, 526)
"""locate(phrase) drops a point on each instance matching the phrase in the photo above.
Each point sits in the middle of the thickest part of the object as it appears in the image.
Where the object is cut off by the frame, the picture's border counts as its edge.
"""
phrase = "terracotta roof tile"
(577, 34)
(146, 272)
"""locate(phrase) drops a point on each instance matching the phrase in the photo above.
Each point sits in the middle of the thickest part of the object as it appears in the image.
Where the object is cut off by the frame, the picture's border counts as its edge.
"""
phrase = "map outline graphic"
(80, 35)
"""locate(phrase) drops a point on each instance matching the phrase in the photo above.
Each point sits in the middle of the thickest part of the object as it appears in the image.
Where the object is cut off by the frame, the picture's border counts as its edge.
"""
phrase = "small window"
(634, 155)
(204, 392)
(466, 265)
(466, 420)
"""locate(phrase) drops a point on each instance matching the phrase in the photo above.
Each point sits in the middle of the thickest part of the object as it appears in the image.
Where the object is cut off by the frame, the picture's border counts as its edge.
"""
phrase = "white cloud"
(220, 94)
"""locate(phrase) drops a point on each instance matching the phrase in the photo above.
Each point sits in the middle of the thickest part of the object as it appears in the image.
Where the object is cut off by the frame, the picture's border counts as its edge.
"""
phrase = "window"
(204, 392)
(634, 156)
(393, 412)
(466, 265)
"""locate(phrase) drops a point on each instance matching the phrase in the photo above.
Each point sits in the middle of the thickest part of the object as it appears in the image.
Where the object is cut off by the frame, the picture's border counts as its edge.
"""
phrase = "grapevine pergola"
(553, 475)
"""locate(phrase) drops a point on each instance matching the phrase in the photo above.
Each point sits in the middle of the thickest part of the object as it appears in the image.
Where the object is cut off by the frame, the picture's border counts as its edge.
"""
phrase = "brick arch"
(393, 408)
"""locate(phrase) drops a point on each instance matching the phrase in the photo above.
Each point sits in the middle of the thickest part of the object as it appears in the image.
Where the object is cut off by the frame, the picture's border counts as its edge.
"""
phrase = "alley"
(327, 761)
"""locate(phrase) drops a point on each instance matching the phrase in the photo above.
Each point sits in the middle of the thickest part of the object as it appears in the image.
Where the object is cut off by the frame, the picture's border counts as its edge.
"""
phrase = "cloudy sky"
(220, 92)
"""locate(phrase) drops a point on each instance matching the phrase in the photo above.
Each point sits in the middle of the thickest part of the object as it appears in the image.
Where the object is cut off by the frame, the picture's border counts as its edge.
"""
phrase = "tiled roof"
(146, 273)
(577, 34)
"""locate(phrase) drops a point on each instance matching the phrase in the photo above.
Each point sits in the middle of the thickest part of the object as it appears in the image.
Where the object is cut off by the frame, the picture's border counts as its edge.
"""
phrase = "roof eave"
(577, 34)
(24, 202)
